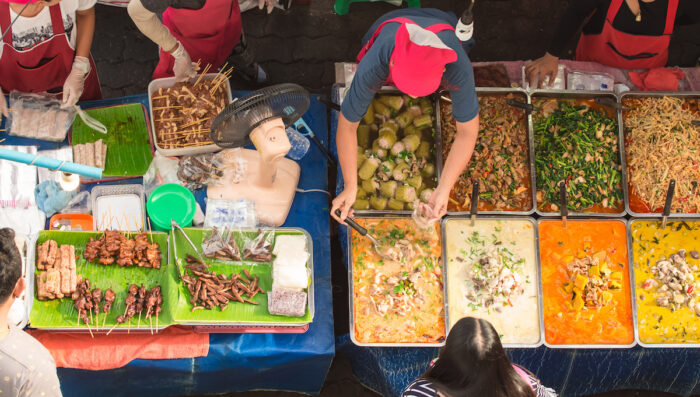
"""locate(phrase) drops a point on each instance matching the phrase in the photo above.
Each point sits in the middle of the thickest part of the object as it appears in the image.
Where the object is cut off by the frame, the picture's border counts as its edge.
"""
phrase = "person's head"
(11, 282)
(418, 61)
(473, 363)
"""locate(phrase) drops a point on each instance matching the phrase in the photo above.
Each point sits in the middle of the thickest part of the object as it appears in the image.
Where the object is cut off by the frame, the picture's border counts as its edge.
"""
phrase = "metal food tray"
(559, 94)
(108, 190)
(81, 329)
(630, 253)
(168, 82)
(621, 118)
(352, 302)
(536, 241)
(485, 91)
(438, 148)
(629, 269)
(310, 297)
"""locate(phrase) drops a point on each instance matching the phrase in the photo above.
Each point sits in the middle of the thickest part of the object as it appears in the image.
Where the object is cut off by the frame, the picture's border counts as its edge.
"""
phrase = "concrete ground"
(302, 44)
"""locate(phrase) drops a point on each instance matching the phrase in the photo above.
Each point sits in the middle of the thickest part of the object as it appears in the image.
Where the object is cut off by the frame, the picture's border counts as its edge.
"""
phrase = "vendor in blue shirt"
(417, 51)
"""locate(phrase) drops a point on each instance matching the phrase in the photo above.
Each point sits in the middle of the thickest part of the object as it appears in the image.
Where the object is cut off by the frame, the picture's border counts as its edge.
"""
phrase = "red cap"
(418, 60)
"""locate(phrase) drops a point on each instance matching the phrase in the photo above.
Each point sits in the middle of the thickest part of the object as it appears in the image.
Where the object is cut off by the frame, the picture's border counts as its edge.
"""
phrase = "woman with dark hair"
(473, 363)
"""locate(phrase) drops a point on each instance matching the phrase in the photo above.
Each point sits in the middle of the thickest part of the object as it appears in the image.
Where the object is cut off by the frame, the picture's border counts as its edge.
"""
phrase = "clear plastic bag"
(198, 171)
(39, 116)
(589, 81)
(80, 204)
(300, 144)
(230, 214)
(423, 216)
(161, 171)
(220, 245)
(259, 247)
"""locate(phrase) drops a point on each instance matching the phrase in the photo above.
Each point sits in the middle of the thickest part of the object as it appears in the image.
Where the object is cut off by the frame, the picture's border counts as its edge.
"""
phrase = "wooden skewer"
(112, 329)
(150, 320)
(206, 69)
(195, 122)
(91, 335)
(104, 321)
(138, 324)
(78, 323)
(159, 97)
(150, 233)
(168, 107)
(128, 327)
(166, 120)
(156, 323)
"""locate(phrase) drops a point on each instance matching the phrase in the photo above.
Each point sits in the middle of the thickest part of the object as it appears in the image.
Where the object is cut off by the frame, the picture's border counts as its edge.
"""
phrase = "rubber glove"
(184, 69)
(269, 3)
(3, 105)
(73, 87)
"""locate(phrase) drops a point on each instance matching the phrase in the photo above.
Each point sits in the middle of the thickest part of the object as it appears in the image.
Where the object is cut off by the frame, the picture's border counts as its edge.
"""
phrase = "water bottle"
(300, 144)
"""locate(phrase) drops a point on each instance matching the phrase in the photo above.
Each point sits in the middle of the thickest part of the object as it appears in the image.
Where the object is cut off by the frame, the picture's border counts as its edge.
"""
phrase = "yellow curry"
(658, 320)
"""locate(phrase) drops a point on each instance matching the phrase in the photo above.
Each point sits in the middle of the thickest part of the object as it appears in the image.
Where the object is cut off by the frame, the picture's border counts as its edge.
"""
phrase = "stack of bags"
(290, 277)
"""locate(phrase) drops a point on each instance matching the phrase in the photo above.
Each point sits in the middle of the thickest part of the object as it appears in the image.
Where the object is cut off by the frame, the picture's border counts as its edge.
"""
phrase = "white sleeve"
(86, 4)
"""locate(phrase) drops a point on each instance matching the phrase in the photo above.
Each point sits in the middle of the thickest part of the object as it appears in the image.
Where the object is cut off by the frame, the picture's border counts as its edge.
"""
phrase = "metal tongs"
(607, 102)
(530, 108)
(564, 205)
(173, 225)
(695, 123)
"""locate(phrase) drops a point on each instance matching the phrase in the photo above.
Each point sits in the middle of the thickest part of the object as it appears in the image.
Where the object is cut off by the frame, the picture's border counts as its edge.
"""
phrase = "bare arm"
(85, 27)
(457, 160)
(346, 142)
(149, 24)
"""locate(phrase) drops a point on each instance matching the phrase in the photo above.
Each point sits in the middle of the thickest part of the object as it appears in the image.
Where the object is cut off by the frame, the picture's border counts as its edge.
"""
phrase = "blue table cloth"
(571, 372)
(237, 362)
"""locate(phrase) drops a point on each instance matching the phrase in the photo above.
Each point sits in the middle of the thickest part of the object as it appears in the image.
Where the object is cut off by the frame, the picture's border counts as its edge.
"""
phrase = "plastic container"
(120, 203)
(168, 82)
(171, 202)
(80, 222)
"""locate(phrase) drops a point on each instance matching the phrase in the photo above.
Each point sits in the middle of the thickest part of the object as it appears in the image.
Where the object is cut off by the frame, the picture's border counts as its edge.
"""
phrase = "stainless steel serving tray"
(352, 302)
(438, 149)
(630, 253)
(310, 297)
(485, 91)
(629, 269)
(621, 118)
(559, 94)
(446, 281)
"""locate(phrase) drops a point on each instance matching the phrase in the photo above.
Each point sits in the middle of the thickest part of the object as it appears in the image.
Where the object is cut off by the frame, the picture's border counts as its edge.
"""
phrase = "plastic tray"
(252, 327)
(629, 268)
(621, 117)
(168, 82)
(531, 150)
(446, 282)
(85, 221)
(630, 248)
(99, 191)
(351, 300)
(438, 149)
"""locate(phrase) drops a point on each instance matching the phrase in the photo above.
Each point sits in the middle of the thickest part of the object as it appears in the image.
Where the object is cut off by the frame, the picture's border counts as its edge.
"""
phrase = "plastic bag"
(50, 198)
(221, 245)
(230, 214)
(39, 117)
(161, 171)
(80, 204)
(423, 216)
(198, 171)
(259, 248)
(589, 81)
(18, 180)
(559, 82)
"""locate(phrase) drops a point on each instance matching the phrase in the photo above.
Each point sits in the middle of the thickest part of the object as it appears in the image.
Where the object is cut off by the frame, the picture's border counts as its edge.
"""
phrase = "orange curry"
(398, 301)
(565, 322)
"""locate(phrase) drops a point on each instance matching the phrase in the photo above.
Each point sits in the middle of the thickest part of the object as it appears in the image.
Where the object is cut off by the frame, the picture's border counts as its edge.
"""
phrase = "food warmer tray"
(271, 327)
(351, 301)
(537, 265)
(530, 140)
(31, 275)
(168, 82)
(438, 148)
(559, 94)
(630, 253)
(629, 268)
(621, 117)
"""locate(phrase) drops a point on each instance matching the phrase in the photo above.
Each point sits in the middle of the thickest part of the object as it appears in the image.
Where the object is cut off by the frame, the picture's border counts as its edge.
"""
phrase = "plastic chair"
(342, 7)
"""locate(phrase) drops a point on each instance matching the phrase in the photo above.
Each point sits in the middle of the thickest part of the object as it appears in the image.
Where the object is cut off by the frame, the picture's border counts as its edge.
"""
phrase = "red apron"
(45, 66)
(627, 51)
(439, 27)
(208, 34)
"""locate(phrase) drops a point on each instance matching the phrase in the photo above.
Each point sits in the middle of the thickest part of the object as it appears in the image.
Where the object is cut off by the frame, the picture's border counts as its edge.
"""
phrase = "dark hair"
(10, 263)
(473, 363)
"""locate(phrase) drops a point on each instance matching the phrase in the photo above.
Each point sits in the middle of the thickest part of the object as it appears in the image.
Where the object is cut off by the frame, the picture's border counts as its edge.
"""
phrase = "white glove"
(3, 105)
(184, 69)
(73, 87)
(269, 3)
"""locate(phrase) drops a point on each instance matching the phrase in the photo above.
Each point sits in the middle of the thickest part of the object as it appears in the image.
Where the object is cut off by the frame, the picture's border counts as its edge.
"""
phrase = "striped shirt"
(420, 388)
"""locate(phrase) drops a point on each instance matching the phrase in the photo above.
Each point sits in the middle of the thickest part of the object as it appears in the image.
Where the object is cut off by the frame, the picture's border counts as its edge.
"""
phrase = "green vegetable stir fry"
(395, 154)
(577, 145)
